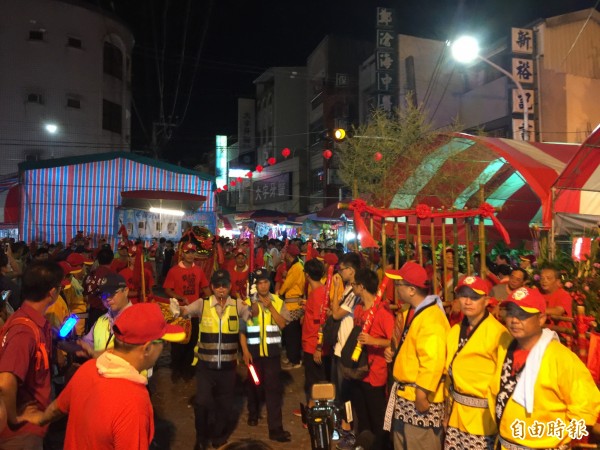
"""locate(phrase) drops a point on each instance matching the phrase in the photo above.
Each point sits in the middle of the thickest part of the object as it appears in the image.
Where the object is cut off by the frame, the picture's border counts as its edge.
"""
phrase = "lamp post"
(466, 49)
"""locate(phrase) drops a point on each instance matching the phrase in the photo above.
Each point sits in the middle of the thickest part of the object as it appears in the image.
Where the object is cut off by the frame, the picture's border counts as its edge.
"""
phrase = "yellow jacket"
(57, 313)
(422, 357)
(293, 286)
(472, 372)
(564, 390)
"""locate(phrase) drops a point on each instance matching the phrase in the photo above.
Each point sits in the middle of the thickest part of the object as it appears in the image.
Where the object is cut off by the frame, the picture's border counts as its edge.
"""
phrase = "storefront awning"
(144, 199)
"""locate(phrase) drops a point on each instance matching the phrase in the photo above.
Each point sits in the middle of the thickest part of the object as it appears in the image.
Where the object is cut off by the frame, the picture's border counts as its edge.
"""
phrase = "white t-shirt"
(348, 303)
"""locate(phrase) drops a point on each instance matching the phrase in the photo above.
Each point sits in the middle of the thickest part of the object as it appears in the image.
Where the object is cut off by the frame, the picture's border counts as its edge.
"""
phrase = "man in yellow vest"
(112, 290)
(542, 395)
(260, 339)
(415, 410)
(216, 357)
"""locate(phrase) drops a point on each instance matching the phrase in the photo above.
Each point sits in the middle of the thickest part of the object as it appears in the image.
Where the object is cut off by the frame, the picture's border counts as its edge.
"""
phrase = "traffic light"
(339, 134)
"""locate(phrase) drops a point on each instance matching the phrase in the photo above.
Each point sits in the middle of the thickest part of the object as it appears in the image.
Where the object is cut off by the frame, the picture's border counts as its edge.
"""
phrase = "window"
(113, 60)
(316, 180)
(73, 102)
(111, 116)
(35, 98)
(73, 42)
(36, 35)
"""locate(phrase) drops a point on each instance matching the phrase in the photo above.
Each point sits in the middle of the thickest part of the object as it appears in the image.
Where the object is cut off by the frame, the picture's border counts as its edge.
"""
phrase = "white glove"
(174, 307)
(253, 290)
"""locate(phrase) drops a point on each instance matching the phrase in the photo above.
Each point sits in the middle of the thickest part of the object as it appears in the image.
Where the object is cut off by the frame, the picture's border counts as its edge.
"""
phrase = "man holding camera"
(260, 339)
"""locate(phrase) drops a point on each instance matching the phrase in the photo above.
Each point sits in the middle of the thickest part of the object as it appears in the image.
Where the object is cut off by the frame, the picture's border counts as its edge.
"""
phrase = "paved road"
(172, 403)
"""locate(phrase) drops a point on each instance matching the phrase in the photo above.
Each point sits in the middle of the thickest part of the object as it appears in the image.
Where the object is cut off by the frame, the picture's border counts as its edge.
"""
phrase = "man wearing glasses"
(107, 400)
(415, 411)
(217, 350)
(542, 395)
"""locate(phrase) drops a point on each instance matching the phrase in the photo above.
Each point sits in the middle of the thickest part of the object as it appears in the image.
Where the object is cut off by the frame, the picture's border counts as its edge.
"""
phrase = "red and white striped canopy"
(577, 189)
(516, 176)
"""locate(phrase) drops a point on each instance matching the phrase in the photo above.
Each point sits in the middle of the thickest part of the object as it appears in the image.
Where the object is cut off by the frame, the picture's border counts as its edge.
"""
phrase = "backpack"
(352, 370)
(331, 328)
(41, 354)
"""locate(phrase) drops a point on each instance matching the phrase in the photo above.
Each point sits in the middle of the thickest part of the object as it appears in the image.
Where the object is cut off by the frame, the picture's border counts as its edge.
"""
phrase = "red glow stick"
(254, 374)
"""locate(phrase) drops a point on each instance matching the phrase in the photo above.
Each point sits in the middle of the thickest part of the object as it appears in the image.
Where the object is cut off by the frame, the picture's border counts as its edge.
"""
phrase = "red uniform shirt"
(17, 356)
(118, 264)
(239, 280)
(560, 297)
(106, 413)
(312, 319)
(187, 282)
(127, 273)
(382, 328)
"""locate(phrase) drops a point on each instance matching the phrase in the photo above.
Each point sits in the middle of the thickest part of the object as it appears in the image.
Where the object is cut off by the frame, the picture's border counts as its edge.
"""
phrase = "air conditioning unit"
(35, 98)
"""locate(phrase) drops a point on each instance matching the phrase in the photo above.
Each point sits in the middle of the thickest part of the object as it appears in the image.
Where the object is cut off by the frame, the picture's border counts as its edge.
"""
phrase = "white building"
(65, 83)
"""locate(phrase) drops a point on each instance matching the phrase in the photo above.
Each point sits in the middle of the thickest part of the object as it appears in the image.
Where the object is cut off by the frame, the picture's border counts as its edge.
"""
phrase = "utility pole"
(160, 131)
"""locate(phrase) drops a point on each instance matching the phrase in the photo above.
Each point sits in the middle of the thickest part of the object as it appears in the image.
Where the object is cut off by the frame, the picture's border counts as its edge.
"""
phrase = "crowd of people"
(478, 369)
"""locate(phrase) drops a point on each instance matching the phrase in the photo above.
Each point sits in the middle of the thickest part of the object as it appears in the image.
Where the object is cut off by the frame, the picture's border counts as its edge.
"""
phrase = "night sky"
(230, 43)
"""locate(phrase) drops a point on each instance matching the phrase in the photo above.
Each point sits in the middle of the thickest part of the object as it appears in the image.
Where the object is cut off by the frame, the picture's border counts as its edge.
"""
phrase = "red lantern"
(219, 190)
(225, 187)
(259, 168)
(240, 179)
(232, 183)
(378, 156)
(249, 174)
(285, 152)
(271, 161)
(327, 154)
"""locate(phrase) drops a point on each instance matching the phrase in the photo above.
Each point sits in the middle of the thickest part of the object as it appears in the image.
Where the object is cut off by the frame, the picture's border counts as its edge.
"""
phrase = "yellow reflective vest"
(218, 342)
(102, 334)
(263, 335)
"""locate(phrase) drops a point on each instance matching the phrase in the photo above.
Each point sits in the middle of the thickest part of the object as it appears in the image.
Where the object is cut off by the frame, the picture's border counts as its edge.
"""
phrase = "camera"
(323, 418)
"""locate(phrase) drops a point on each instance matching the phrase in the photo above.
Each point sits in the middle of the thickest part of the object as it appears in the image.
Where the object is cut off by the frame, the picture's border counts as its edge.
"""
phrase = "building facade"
(65, 86)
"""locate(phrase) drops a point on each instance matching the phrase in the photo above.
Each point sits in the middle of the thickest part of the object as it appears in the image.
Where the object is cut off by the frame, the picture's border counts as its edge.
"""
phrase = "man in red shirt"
(558, 301)
(122, 259)
(25, 350)
(186, 282)
(97, 309)
(133, 284)
(239, 275)
(107, 400)
(368, 395)
(314, 371)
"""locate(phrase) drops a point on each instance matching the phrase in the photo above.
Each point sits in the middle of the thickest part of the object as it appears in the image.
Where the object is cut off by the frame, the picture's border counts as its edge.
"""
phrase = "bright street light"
(167, 212)
(466, 49)
(51, 128)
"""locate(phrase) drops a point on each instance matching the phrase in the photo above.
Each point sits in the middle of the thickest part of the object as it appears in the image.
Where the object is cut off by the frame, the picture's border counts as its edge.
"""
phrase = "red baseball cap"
(239, 251)
(77, 260)
(477, 284)
(293, 250)
(144, 322)
(189, 247)
(529, 300)
(123, 244)
(132, 251)
(410, 272)
(330, 258)
(66, 267)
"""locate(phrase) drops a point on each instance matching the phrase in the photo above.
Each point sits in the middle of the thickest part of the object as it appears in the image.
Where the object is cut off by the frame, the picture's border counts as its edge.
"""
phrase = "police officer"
(260, 339)
(216, 357)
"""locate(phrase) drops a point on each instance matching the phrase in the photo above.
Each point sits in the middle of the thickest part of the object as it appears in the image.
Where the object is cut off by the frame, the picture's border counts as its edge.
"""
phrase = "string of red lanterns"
(286, 152)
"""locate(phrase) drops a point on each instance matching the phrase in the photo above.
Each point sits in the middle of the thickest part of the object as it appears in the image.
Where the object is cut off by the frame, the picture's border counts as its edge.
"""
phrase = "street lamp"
(51, 128)
(466, 49)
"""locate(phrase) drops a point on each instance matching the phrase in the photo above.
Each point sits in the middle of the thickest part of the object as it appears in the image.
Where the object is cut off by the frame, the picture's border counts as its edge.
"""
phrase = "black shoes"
(280, 435)
(252, 422)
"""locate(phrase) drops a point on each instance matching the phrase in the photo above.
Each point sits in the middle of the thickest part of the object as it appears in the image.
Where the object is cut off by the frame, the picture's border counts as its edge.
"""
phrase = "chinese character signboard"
(518, 103)
(273, 189)
(519, 130)
(522, 70)
(522, 41)
(386, 64)
(246, 120)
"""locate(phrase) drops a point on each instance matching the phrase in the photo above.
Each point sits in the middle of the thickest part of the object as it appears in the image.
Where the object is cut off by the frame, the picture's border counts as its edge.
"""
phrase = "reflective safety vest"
(103, 338)
(264, 337)
(218, 342)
